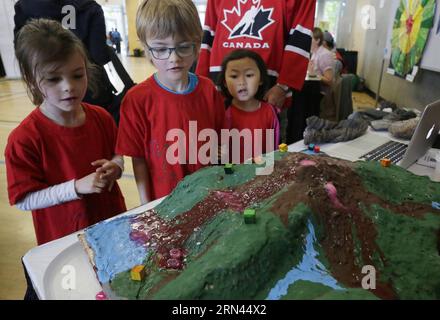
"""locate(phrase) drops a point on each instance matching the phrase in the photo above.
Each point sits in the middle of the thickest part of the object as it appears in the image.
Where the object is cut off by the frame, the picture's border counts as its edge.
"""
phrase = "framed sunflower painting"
(412, 25)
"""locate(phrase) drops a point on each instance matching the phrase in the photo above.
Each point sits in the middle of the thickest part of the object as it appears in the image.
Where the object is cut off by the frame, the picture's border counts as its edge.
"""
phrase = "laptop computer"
(426, 132)
(375, 146)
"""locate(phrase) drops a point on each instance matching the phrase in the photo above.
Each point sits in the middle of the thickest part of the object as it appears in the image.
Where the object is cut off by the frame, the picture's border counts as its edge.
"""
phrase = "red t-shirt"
(263, 118)
(41, 153)
(149, 111)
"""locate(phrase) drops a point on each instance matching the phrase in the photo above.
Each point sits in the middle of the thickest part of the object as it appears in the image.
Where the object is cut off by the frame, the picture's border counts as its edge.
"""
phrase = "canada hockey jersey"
(279, 30)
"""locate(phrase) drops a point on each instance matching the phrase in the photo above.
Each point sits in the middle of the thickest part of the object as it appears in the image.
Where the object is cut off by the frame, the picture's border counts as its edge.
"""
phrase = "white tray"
(70, 276)
(61, 270)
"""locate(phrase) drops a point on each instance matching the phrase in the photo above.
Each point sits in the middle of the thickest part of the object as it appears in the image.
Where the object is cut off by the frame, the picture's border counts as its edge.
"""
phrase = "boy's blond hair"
(159, 19)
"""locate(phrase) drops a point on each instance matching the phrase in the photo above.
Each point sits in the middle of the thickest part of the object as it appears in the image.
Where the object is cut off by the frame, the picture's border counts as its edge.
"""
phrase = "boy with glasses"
(172, 100)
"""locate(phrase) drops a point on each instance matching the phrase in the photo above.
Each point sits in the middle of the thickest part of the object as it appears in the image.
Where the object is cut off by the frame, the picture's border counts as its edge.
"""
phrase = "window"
(201, 8)
(329, 18)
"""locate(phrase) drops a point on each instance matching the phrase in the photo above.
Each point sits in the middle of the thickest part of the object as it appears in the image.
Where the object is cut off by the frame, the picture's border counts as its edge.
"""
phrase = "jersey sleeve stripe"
(301, 29)
(208, 29)
(300, 40)
(206, 47)
(208, 38)
(272, 73)
(299, 51)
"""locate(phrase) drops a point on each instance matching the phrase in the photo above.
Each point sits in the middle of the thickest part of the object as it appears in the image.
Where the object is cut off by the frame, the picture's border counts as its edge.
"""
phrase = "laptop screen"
(426, 133)
(422, 140)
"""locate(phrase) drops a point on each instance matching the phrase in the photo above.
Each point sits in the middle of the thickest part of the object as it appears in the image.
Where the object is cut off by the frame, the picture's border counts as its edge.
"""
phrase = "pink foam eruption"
(307, 163)
(333, 195)
(101, 296)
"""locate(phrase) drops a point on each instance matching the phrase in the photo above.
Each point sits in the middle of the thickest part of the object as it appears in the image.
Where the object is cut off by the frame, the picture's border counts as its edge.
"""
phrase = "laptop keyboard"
(392, 150)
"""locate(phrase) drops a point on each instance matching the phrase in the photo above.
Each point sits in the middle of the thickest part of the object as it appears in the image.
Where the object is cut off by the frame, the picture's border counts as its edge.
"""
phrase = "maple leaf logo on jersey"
(247, 19)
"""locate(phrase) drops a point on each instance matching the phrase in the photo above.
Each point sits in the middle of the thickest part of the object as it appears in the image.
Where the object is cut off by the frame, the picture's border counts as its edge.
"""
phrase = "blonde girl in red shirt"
(60, 160)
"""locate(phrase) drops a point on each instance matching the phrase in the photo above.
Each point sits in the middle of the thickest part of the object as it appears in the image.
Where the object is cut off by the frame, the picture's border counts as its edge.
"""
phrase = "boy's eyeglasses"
(163, 53)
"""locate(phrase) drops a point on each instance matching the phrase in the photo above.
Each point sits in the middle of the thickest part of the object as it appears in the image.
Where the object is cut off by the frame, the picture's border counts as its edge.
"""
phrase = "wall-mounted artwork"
(412, 25)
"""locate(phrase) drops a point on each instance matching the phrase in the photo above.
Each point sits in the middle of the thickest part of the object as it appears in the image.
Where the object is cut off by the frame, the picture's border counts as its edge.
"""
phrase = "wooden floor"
(362, 101)
(16, 228)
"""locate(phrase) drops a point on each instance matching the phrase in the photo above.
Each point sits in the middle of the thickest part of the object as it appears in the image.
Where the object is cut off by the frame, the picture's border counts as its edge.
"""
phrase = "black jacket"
(90, 23)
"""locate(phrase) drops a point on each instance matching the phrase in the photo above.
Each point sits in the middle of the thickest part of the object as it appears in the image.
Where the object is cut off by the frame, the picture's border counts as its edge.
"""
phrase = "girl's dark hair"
(237, 55)
(43, 42)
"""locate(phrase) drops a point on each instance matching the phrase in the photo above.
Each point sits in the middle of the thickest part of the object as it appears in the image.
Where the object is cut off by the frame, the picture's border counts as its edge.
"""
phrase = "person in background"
(116, 36)
(307, 102)
(53, 166)
(110, 39)
(279, 31)
(172, 103)
(329, 43)
(243, 81)
(90, 23)
(322, 62)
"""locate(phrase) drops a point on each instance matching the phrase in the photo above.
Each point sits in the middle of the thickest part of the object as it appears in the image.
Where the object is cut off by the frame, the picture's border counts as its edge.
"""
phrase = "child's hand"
(108, 171)
(90, 184)
(275, 96)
